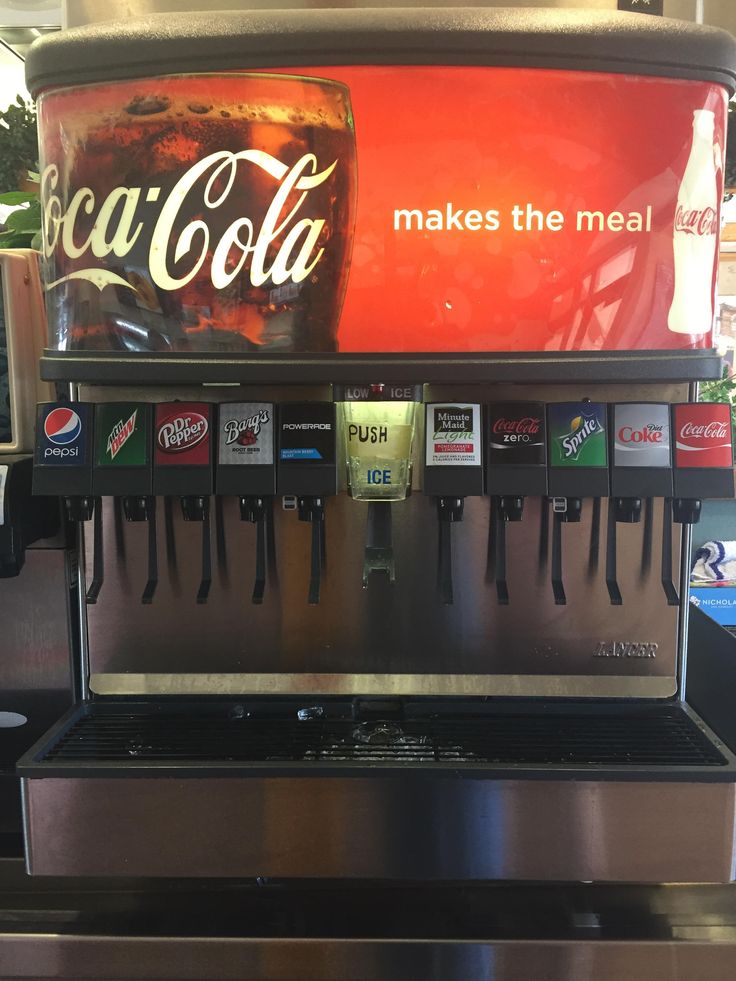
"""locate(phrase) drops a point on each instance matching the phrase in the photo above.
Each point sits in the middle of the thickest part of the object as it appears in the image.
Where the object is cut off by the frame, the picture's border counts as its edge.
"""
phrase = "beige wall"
(720, 13)
(85, 11)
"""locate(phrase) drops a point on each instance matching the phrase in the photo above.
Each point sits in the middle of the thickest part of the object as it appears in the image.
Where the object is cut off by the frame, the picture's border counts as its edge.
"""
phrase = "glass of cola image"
(202, 213)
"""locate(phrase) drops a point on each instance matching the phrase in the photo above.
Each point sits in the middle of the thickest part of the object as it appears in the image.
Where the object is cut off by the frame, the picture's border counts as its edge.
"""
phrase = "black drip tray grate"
(649, 739)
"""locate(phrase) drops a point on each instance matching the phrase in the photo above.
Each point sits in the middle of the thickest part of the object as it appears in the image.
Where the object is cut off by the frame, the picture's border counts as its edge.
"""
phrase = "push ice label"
(121, 435)
(246, 433)
(641, 435)
(577, 434)
(182, 434)
(453, 435)
(703, 434)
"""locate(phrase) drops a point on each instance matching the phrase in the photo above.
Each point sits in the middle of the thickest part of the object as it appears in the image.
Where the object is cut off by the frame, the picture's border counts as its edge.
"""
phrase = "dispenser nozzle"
(79, 508)
(138, 507)
(686, 510)
(194, 507)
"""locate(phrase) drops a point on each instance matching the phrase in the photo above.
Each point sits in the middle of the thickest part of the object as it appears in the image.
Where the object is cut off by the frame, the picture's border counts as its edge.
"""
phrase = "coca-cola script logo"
(709, 430)
(117, 225)
(705, 434)
(527, 425)
(512, 432)
(182, 431)
(696, 221)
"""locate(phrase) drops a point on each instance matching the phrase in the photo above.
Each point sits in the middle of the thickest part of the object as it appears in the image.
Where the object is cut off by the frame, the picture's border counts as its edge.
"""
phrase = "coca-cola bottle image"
(695, 238)
(197, 213)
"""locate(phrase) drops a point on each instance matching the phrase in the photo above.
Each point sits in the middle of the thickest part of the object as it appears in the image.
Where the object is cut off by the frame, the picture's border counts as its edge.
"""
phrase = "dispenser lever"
(378, 555)
(312, 508)
(98, 561)
(558, 588)
(502, 591)
(204, 586)
(259, 586)
(152, 582)
(669, 587)
(614, 592)
(253, 509)
(449, 510)
(315, 575)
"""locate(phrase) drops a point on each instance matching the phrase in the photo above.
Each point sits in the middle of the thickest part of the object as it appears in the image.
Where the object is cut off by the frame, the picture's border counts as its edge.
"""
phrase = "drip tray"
(412, 790)
(104, 738)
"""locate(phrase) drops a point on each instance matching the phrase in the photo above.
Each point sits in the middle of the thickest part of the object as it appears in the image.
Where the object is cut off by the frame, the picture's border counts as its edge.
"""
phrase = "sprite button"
(577, 434)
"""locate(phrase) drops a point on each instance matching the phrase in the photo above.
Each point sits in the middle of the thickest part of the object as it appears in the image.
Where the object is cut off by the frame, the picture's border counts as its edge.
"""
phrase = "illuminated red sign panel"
(392, 209)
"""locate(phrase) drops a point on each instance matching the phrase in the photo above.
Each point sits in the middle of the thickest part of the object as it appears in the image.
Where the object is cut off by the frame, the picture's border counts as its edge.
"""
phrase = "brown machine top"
(583, 40)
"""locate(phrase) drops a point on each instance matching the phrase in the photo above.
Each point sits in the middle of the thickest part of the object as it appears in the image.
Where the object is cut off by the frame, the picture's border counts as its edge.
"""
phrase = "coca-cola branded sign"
(696, 221)
(182, 434)
(703, 435)
(641, 433)
(277, 213)
(517, 433)
(509, 431)
(281, 248)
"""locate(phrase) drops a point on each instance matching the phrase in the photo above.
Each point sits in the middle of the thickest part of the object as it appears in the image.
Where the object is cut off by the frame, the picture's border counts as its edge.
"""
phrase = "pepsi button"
(62, 426)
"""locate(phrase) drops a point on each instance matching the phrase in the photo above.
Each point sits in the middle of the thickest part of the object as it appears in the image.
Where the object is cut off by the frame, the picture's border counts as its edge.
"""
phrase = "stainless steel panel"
(385, 639)
(358, 827)
(397, 639)
(228, 959)
(34, 644)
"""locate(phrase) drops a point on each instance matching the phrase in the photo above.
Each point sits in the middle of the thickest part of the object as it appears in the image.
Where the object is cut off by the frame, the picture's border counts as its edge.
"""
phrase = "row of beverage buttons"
(122, 441)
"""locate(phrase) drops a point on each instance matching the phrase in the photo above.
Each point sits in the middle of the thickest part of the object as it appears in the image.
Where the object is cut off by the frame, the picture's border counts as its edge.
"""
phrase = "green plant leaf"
(17, 197)
(24, 219)
(16, 240)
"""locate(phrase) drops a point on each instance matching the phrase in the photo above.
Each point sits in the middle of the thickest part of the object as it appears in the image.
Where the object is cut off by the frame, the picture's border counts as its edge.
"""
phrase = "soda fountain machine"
(412, 296)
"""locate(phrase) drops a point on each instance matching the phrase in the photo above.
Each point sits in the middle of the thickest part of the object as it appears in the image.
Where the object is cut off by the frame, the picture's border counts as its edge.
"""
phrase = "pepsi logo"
(62, 426)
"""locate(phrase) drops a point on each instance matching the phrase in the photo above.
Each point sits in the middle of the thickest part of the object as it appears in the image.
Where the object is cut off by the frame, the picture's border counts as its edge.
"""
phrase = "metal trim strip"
(531, 685)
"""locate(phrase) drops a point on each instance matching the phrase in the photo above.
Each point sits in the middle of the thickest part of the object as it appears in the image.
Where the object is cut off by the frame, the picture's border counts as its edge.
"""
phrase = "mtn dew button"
(122, 448)
(577, 434)
(122, 434)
